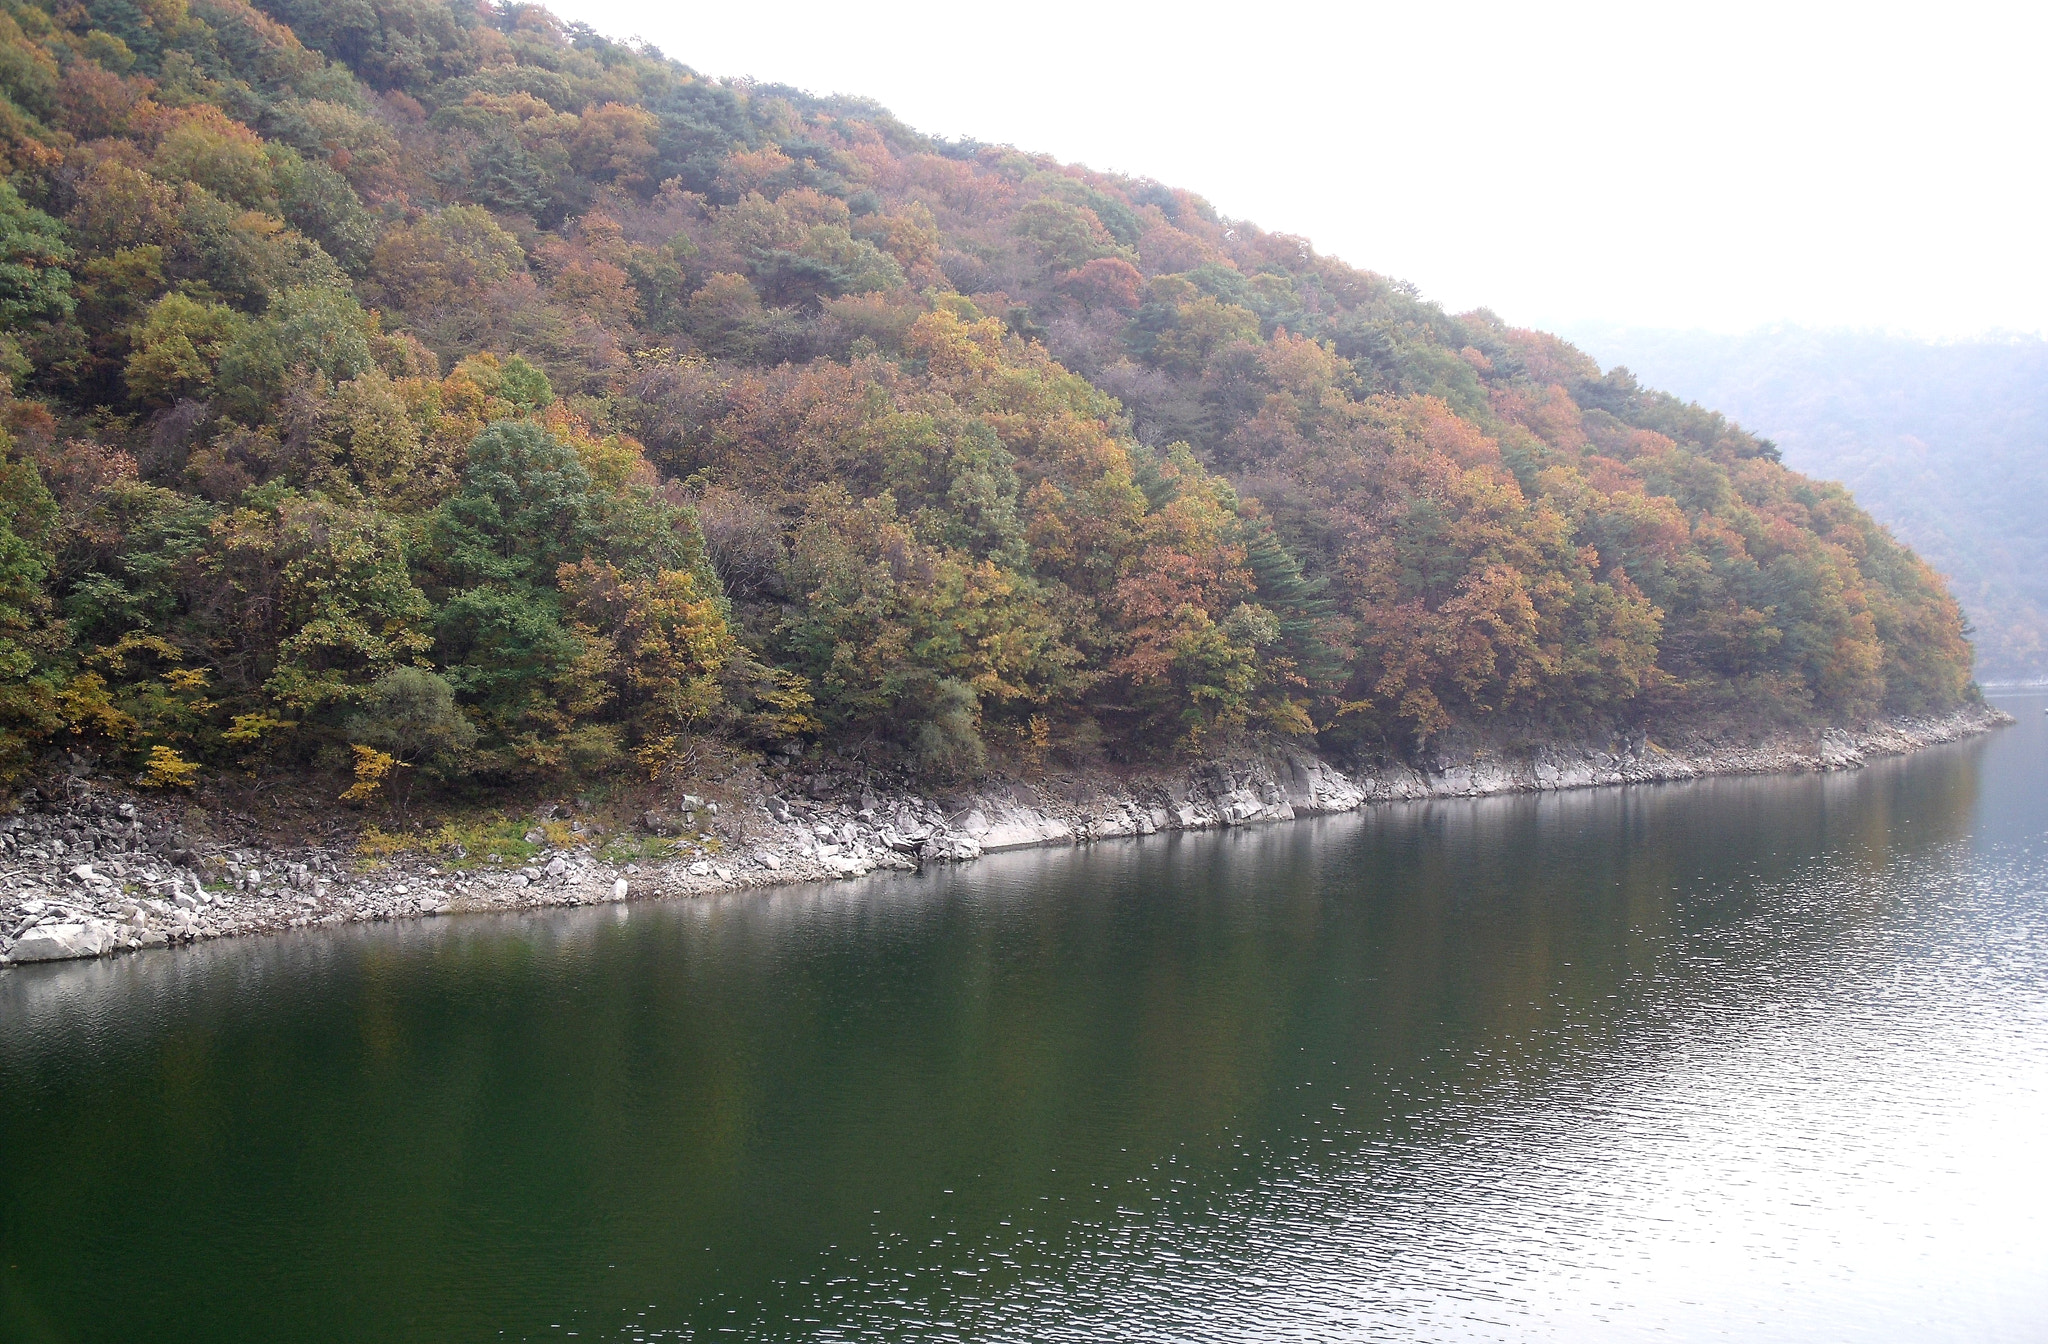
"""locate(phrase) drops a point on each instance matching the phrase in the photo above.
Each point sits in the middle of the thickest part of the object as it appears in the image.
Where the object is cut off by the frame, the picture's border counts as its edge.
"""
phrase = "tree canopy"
(400, 361)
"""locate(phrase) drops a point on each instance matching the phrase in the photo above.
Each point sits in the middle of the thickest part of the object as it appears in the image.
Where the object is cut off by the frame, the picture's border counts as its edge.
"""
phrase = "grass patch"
(474, 842)
(640, 849)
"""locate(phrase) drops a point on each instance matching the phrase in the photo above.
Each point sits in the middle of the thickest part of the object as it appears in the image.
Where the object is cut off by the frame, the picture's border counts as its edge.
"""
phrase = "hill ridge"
(438, 391)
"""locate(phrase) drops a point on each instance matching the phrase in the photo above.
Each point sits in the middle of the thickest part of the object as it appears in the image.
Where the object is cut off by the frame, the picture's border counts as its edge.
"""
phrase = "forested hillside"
(1946, 442)
(404, 383)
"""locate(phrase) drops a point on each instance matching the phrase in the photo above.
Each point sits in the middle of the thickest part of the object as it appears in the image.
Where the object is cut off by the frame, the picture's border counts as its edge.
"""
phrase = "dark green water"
(1763, 1059)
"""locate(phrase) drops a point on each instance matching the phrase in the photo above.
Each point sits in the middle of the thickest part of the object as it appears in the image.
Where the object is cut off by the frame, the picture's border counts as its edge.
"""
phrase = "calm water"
(1753, 1059)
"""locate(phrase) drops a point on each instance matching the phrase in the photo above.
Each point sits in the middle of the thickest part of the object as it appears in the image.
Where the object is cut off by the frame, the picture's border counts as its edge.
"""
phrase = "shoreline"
(113, 871)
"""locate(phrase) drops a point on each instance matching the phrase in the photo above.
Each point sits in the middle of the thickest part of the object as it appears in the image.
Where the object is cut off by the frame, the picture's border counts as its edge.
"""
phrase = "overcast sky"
(1719, 166)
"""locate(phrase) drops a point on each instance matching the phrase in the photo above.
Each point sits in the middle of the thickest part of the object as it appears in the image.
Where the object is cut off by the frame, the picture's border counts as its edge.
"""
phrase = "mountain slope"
(1947, 443)
(438, 390)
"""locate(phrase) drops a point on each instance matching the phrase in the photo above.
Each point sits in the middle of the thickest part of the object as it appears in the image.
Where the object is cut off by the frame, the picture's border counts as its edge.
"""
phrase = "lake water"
(1758, 1059)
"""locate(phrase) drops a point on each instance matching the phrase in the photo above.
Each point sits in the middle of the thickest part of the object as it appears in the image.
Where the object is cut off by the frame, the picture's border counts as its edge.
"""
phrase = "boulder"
(952, 847)
(63, 942)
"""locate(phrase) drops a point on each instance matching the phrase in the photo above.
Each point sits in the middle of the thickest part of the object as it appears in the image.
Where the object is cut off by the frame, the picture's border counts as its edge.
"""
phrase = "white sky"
(1711, 165)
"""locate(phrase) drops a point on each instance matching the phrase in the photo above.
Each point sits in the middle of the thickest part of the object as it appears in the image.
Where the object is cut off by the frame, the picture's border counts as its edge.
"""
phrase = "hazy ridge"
(1945, 442)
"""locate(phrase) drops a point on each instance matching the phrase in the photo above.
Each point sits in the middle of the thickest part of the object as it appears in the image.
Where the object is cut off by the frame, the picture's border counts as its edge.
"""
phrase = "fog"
(1676, 166)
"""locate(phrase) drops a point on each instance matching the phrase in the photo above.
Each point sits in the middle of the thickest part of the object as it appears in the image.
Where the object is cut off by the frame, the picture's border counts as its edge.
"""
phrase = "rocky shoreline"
(99, 870)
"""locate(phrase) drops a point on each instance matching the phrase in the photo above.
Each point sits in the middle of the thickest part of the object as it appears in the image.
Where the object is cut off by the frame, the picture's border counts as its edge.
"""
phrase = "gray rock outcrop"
(95, 873)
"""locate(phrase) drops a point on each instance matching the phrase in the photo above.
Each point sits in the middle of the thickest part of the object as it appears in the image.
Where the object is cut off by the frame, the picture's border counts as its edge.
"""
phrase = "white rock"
(700, 869)
(1021, 829)
(952, 847)
(619, 890)
(557, 866)
(62, 942)
(768, 861)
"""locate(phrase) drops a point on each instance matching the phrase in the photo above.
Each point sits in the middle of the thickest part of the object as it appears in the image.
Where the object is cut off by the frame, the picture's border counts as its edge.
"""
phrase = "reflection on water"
(1755, 1057)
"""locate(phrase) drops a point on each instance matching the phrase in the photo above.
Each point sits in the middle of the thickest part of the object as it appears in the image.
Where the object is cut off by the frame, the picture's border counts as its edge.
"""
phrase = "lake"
(1756, 1058)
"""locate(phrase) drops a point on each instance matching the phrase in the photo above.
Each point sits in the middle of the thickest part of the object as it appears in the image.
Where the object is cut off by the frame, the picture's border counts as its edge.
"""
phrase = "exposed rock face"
(1287, 783)
(60, 942)
(1002, 823)
(103, 873)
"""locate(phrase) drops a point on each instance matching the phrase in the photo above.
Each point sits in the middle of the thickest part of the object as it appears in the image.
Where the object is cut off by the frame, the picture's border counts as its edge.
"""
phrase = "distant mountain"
(1946, 443)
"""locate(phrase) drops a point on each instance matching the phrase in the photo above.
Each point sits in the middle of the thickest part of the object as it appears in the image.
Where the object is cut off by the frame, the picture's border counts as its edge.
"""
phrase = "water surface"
(1760, 1059)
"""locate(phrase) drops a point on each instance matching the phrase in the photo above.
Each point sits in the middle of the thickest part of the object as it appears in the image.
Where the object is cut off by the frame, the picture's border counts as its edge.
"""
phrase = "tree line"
(436, 387)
